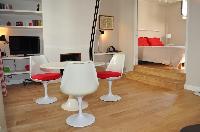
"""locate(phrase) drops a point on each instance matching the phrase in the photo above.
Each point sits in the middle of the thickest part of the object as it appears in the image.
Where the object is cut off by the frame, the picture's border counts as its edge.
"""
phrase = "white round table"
(71, 104)
(61, 65)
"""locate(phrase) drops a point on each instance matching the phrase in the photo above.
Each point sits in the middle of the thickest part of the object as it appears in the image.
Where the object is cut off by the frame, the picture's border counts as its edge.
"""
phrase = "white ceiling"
(169, 1)
(164, 1)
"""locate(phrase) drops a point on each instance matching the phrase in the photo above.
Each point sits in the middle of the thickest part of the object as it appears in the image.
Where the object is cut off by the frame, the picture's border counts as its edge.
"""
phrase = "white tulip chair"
(114, 71)
(43, 76)
(79, 79)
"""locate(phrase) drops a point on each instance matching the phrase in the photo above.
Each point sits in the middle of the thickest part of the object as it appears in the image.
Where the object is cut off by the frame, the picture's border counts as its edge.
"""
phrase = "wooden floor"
(143, 108)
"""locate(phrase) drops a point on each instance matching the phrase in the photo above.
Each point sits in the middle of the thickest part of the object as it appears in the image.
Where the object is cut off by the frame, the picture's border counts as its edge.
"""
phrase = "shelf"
(15, 57)
(17, 72)
(23, 27)
(20, 12)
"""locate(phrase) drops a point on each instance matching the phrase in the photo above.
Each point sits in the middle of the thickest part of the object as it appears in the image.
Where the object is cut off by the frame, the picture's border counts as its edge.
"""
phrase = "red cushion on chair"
(46, 76)
(107, 74)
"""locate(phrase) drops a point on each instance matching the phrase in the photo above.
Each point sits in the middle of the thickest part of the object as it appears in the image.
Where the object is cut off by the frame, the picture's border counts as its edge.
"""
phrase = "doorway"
(161, 36)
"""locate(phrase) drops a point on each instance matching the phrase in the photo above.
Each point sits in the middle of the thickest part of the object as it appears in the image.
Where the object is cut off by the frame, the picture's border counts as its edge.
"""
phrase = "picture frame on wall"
(106, 22)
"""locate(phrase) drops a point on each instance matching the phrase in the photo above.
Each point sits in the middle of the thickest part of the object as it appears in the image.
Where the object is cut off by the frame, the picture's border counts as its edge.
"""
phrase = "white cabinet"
(16, 69)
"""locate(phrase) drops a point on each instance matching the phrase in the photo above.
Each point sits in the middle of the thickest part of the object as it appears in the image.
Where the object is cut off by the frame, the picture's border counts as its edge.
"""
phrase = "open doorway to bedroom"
(161, 34)
(161, 44)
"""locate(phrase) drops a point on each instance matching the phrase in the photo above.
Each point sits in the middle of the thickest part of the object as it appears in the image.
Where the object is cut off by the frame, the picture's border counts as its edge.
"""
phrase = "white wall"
(122, 37)
(151, 19)
(67, 27)
(193, 46)
(126, 30)
(175, 25)
(110, 37)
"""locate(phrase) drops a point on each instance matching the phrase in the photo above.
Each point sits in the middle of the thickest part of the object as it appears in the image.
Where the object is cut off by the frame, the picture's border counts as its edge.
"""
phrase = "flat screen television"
(24, 45)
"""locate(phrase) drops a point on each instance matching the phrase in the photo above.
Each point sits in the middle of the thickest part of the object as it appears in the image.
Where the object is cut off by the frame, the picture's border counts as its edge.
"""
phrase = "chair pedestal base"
(72, 104)
(110, 98)
(80, 120)
(197, 93)
(46, 100)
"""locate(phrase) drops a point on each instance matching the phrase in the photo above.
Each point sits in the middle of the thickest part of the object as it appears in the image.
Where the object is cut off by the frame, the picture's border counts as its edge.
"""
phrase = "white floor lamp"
(168, 36)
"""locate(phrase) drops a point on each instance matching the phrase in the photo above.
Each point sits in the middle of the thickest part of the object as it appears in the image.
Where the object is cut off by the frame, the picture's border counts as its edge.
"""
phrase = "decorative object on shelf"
(8, 6)
(37, 22)
(20, 23)
(6, 70)
(2, 6)
(5, 6)
(106, 22)
(30, 24)
(8, 23)
(27, 67)
(111, 49)
(38, 7)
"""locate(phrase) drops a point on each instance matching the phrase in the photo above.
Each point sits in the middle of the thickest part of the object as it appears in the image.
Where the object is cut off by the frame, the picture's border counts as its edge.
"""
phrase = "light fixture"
(101, 31)
(184, 9)
(5, 48)
(168, 36)
(3, 38)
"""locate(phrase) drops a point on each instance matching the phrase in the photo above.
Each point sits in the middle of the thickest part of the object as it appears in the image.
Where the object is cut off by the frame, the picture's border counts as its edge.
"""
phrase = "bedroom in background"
(161, 43)
(161, 33)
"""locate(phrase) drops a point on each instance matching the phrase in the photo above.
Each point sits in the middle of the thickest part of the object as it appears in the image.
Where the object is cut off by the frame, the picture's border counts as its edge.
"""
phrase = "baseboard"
(191, 87)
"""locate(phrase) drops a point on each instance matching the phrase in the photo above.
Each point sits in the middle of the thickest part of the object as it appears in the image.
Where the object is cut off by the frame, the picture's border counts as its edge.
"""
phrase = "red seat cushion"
(143, 41)
(155, 42)
(108, 74)
(46, 76)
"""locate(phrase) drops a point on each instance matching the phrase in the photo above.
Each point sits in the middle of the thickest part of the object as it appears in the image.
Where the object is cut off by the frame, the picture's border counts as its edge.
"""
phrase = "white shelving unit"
(17, 74)
(15, 58)
(22, 11)
(23, 27)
